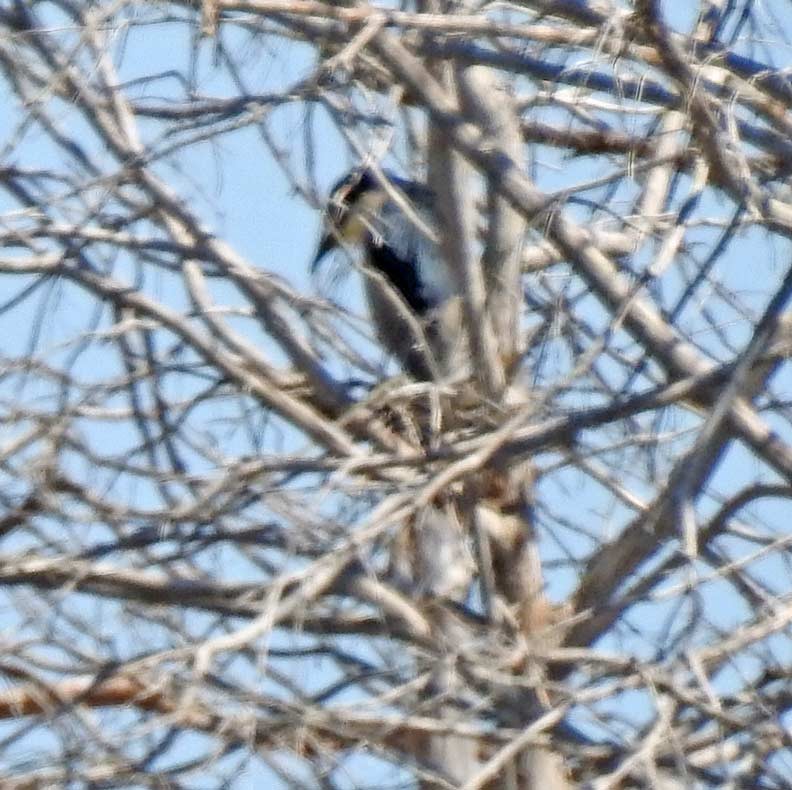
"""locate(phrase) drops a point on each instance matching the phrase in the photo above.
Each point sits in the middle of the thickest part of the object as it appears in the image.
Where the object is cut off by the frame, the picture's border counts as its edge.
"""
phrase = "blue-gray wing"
(411, 244)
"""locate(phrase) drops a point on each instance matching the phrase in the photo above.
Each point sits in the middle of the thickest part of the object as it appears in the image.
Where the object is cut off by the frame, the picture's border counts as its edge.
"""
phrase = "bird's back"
(399, 250)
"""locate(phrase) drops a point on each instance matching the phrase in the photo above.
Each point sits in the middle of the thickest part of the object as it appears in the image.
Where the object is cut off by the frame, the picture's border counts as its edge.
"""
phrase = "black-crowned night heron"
(407, 283)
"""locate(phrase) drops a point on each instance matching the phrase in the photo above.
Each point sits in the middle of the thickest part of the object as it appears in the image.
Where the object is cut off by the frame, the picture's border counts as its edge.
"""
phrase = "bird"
(415, 308)
(411, 292)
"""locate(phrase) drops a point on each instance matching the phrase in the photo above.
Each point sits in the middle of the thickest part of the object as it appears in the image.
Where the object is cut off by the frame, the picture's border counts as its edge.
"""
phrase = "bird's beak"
(327, 244)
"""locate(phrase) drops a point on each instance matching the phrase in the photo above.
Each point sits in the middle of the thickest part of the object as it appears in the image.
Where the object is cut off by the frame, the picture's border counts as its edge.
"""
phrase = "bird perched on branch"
(408, 284)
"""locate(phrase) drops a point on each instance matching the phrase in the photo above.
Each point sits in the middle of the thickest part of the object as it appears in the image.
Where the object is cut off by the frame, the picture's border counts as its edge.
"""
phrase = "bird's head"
(353, 204)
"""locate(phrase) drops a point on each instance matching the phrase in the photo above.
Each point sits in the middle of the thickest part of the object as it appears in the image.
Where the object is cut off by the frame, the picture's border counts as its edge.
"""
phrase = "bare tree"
(240, 548)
